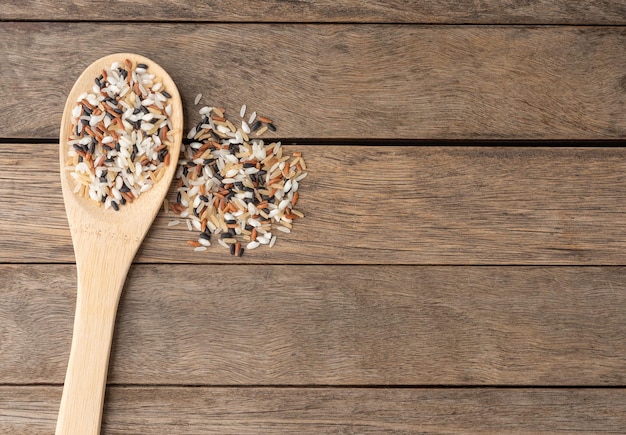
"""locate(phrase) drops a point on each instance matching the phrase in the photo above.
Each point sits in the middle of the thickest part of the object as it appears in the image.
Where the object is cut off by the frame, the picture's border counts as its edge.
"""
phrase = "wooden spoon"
(105, 243)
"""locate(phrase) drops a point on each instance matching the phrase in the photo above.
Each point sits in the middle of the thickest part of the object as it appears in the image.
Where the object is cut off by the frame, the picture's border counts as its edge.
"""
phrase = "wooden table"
(460, 266)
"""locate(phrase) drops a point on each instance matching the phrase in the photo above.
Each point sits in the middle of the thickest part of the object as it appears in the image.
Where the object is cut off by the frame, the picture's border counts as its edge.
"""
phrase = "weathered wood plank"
(189, 410)
(379, 205)
(394, 11)
(330, 325)
(344, 81)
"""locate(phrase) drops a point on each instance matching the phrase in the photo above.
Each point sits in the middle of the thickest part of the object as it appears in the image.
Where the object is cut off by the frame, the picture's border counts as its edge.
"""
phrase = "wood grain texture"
(345, 81)
(378, 205)
(190, 411)
(390, 11)
(429, 289)
(330, 325)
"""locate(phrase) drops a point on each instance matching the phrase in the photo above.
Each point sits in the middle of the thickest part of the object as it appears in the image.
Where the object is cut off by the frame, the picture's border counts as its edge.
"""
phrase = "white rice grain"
(196, 225)
(245, 127)
(116, 194)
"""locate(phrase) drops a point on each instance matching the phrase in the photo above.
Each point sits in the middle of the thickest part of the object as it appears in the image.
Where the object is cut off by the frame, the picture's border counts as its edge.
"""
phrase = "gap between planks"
(332, 386)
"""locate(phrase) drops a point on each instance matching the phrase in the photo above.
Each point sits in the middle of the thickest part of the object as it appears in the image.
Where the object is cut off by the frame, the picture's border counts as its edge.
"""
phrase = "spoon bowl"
(105, 242)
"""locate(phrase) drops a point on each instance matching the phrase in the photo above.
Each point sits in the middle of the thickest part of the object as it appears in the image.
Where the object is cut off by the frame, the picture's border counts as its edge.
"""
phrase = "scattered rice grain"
(237, 188)
(252, 245)
(252, 118)
(245, 127)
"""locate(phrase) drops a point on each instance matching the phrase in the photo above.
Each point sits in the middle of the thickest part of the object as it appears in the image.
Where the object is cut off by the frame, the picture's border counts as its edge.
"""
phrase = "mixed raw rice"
(235, 188)
(121, 135)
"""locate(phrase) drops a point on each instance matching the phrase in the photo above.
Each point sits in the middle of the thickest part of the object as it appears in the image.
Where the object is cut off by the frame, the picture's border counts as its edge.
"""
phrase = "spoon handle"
(98, 295)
